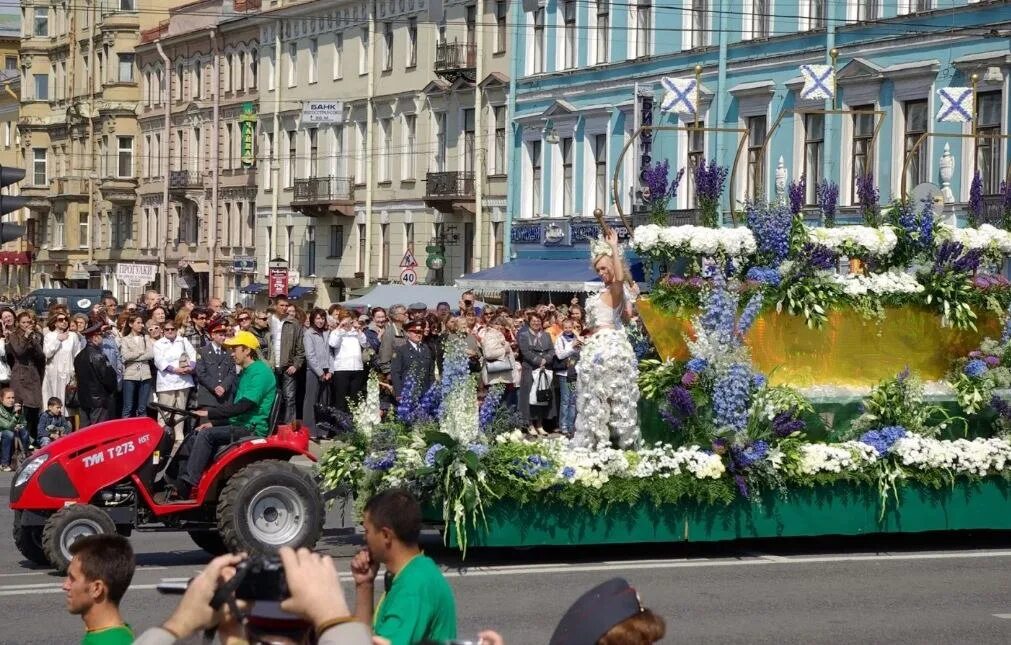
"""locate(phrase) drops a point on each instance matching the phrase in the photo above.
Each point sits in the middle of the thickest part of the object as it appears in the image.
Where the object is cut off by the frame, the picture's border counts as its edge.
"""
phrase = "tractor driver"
(254, 397)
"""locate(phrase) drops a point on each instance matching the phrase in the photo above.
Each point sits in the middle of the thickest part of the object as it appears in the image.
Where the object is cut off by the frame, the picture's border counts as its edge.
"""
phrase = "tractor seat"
(272, 420)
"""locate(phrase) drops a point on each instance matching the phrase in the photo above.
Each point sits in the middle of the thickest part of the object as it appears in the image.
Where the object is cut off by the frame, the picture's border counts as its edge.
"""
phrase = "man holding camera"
(418, 604)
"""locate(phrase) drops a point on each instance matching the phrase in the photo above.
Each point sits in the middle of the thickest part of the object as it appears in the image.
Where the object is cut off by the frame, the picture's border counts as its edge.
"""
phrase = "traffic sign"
(409, 276)
(409, 261)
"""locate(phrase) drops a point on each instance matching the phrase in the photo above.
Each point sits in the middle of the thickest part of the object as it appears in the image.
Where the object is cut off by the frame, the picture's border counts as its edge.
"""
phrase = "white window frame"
(570, 29)
(338, 56)
(538, 56)
(386, 156)
(130, 78)
(387, 47)
(499, 136)
(363, 51)
(313, 60)
(291, 57)
(44, 161)
(698, 14)
(128, 158)
(641, 14)
(412, 42)
(758, 18)
(410, 145)
(600, 40)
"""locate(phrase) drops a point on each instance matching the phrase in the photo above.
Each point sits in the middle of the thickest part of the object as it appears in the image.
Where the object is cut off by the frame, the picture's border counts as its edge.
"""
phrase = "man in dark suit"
(414, 359)
(96, 379)
(215, 370)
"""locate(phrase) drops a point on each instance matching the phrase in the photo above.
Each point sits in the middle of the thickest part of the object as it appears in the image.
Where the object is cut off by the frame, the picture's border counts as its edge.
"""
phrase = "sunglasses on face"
(61, 319)
(170, 329)
(244, 319)
(264, 318)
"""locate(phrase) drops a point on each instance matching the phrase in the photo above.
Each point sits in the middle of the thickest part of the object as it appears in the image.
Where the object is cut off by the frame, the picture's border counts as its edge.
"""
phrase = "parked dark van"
(75, 300)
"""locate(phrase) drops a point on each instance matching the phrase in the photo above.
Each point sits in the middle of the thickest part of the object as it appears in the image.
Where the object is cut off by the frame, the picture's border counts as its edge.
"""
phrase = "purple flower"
(709, 181)
(654, 176)
(975, 368)
(786, 423)
(817, 257)
(1001, 406)
(828, 200)
(991, 361)
(751, 454)
(689, 379)
(680, 406)
(974, 209)
(798, 195)
(882, 439)
(867, 197)
(720, 446)
(381, 461)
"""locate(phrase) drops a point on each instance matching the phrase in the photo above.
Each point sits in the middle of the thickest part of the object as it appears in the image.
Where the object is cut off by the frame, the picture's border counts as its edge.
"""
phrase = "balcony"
(455, 60)
(182, 180)
(319, 196)
(450, 191)
(69, 188)
(121, 190)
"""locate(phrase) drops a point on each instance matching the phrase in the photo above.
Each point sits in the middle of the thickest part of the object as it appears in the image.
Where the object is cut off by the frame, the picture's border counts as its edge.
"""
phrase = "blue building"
(588, 73)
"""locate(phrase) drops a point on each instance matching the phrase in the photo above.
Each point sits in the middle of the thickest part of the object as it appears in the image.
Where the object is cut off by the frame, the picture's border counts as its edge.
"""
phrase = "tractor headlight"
(29, 469)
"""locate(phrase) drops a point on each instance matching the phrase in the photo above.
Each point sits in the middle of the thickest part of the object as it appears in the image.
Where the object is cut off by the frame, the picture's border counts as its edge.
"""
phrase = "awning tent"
(387, 295)
(529, 274)
(297, 292)
(255, 287)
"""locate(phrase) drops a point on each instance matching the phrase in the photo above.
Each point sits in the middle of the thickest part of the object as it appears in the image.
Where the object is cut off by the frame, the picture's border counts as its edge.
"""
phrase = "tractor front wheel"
(28, 540)
(267, 505)
(69, 524)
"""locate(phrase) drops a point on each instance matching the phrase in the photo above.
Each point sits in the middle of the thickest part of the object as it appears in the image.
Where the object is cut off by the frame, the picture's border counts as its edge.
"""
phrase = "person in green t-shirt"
(98, 576)
(255, 392)
(418, 604)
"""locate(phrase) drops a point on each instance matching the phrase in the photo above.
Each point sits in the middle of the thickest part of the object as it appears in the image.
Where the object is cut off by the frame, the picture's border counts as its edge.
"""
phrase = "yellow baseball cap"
(244, 338)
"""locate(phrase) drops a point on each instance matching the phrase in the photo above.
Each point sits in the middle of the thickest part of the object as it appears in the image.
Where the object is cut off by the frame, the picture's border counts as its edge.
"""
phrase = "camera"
(262, 578)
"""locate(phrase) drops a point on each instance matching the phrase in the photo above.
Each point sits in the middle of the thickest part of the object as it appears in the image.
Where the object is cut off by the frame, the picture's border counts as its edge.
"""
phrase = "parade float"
(799, 377)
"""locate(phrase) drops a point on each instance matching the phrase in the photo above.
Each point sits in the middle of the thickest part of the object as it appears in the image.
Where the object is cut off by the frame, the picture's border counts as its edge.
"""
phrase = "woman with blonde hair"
(607, 391)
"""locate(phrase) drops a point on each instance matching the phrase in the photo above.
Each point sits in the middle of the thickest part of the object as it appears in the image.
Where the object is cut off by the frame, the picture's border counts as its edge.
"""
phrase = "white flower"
(976, 457)
(890, 282)
(834, 458)
(985, 237)
(878, 241)
(644, 238)
(696, 240)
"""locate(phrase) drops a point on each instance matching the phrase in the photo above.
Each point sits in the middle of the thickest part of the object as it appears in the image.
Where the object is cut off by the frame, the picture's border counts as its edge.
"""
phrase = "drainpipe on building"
(369, 114)
(514, 71)
(482, 138)
(831, 120)
(721, 83)
(275, 157)
(92, 217)
(163, 229)
(216, 156)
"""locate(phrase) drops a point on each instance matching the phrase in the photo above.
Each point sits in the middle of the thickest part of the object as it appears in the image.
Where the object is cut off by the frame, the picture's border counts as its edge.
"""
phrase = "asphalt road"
(933, 589)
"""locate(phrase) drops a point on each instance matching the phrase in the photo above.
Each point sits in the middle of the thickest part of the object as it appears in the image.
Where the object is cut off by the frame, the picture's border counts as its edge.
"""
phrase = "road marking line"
(1004, 616)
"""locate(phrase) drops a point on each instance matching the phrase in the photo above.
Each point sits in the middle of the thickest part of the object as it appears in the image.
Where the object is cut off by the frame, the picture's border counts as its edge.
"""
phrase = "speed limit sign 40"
(409, 276)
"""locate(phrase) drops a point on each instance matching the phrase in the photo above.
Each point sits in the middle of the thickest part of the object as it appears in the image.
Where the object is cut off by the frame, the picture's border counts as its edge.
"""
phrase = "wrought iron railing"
(452, 183)
(676, 217)
(185, 179)
(324, 189)
(455, 55)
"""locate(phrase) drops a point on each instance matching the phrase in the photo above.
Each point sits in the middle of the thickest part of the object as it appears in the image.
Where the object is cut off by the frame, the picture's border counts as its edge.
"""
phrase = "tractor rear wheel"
(69, 524)
(209, 541)
(28, 540)
(267, 505)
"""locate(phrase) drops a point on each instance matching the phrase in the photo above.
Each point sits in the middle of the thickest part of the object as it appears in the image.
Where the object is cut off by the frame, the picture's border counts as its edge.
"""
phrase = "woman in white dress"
(607, 389)
(60, 345)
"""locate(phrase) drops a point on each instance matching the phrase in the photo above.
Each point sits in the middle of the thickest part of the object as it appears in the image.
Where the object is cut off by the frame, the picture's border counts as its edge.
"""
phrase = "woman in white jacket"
(60, 345)
(174, 358)
(348, 371)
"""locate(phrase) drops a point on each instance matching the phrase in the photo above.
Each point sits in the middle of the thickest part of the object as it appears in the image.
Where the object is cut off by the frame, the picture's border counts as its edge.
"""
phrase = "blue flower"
(750, 313)
(765, 275)
(478, 449)
(381, 461)
(731, 394)
(882, 439)
(568, 472)
(751, 454)
(771, 227)
(432, 452)
(785, 424)
(758, 381)
(489, 407)
(530, 467)
(696, 365)
(976, 368)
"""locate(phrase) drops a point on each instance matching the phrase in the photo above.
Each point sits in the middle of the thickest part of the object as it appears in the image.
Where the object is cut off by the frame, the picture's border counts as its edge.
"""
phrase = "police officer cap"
(415, 325)
(596, 612)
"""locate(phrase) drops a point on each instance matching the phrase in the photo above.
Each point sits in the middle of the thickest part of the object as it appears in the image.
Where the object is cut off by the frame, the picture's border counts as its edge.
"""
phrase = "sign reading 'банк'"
(323, 112)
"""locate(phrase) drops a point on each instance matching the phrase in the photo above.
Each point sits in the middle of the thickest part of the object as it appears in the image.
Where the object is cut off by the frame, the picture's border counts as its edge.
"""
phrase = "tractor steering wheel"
(174, 411)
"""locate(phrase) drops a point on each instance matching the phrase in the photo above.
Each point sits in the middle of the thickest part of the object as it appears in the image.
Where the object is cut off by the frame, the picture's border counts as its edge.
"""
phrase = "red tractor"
(114, 477)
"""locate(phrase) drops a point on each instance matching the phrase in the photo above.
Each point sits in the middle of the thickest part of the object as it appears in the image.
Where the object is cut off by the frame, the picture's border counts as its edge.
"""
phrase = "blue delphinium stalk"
(758, 381)
(381, 461)
(654, 176)
(975, 368)
(974, 209)
(926, 226)
(696, 365)
(817, 257)
(455, 369)
(407, 407)
(721, 305)
(828, 201)
(883, 439)
(749, 455)
(490, 405)
(731, 394)
(765, 275)
(798, 195)
(906, 216)
(709, 181)
(750, 313)
(867, 197)
(432, 453)
(429, 403)
(771, 228)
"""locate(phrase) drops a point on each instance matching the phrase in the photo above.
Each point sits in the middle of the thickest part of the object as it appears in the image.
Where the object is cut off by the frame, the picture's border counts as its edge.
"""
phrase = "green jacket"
(9, 420)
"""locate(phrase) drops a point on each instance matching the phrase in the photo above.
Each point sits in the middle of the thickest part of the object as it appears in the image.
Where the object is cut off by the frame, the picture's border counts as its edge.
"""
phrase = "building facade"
(197, 158)
(15, 256)
(410, 163)
(589, 73)
(79, 137)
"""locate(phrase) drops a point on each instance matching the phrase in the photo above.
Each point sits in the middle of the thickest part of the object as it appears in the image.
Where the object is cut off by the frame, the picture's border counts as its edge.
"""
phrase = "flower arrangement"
(664, 243)
(771, 226)
(798, 195)
(709, 181)
(657, 191)
(867, 197)
(856, 241)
